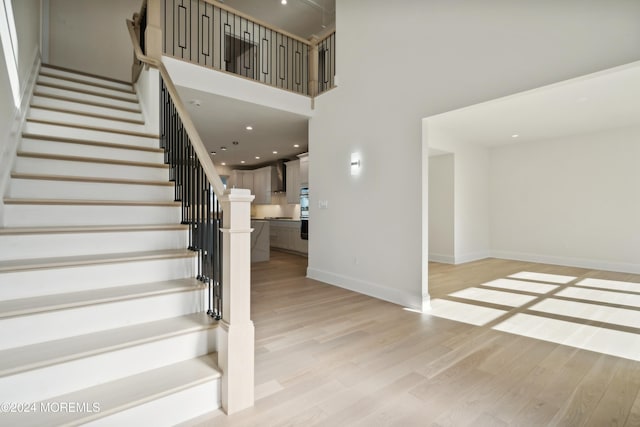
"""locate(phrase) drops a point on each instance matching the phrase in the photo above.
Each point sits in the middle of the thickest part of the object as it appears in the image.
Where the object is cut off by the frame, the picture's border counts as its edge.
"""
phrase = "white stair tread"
(89, 229)
(93, 91)
(58, 71)
(82, 85)
(90, 142)
(116, 396)
(52, 352)
(40, 263)
(17, 175)
(132, 108)
(70, 78)
(94, 128)
(12, 201)
(24, 306)
(79, 112)
(91, 160)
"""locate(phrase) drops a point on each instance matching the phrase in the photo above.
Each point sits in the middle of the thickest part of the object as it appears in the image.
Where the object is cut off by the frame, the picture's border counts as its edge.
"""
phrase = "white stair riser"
(87, 150)
(50, 381)
(83, 77)
(78, 106)
(87, 87)
(52, 325)
(38, 188)
(79, 96)
(169, 410)
(50, 281)
(78, 244)
(88, 169)
(57, 116)
(58, 215)
(90, 135)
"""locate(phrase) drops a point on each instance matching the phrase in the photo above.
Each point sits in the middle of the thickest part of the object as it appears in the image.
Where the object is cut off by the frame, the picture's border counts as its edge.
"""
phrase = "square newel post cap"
(237, 195)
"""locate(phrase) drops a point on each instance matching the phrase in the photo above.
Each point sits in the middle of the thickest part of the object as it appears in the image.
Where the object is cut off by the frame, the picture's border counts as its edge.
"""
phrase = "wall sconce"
(355, 163)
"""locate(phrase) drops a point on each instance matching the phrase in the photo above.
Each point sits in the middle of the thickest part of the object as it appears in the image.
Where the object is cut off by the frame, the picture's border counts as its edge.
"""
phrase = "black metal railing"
(326, 63)
(200, 207)
(208, 35)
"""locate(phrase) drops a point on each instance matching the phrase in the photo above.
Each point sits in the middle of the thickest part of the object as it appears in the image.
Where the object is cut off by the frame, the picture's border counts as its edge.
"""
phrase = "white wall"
(27, 21)
(470, 193)
(92, 36)
(446, 54)
(471, 204)
(571, 201)
(441, 208)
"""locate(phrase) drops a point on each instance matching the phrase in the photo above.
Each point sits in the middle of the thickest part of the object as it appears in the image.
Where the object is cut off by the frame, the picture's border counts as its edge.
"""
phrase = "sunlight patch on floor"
(465, 313)
(543, 277)
(605, 320)
(614, 285)
(601, 296)
(587, 311)
(495, 297)
(587, 337)
(521, 285)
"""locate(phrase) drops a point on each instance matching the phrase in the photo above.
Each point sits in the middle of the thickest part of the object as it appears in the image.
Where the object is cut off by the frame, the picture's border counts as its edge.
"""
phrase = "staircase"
(101, 318)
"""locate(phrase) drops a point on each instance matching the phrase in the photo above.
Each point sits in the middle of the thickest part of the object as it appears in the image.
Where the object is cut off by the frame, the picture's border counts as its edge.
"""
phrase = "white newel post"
(236, 334)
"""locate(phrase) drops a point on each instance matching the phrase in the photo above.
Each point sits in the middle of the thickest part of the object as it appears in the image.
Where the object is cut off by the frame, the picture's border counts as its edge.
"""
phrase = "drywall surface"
(441, 208)
(398, 63)
(92, 36)
(571, 201)
(26, 50)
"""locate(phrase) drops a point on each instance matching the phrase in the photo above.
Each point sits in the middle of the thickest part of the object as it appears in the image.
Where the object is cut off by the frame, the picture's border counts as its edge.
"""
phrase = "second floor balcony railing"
(213, 35)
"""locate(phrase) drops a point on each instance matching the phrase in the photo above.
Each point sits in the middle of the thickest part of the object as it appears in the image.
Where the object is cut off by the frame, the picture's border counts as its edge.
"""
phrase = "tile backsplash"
(278, 207)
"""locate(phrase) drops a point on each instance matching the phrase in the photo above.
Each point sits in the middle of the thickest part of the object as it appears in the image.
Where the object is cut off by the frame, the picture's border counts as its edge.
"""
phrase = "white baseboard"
(446, 259)
(474, 256)
(396, 296)
(569, 261)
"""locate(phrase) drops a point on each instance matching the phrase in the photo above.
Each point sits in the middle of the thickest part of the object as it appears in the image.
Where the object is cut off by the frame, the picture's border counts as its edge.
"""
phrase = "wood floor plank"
(326, 356)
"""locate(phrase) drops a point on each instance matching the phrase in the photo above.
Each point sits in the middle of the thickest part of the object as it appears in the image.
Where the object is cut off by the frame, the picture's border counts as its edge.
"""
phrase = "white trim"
(595, 264)
(446, 259)
(375, 290)
(44, 31)
(13, 135)
(147, 90)
(474, 256)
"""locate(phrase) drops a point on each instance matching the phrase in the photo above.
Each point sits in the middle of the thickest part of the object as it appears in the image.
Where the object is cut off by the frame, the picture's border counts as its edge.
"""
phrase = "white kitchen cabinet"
(262, 185)
(242, 179)
(286, 235)
(293, 182)
(304, 169)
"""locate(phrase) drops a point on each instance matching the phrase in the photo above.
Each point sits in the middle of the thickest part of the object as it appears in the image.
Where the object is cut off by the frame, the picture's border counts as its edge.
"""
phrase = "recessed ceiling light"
(515, 135)
(242, 161)
(283, 1)
(223, 164)
(296, 145)
(213, 153)
(223, 148)
(257, 157)
(249, 128)
(275, 152)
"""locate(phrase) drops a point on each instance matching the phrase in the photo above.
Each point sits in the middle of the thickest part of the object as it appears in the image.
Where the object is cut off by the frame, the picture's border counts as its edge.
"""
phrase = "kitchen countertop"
(275, 219)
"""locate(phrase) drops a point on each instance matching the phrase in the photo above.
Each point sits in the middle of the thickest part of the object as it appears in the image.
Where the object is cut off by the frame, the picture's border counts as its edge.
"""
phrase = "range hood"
(278, 177)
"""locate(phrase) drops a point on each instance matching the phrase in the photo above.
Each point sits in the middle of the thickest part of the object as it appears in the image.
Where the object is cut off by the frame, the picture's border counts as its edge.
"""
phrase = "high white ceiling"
(303, 18)
(221, 120)
(599, 101)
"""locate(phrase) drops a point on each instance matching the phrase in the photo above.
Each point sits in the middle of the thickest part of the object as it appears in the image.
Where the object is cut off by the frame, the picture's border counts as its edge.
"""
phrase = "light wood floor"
(329, 357)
